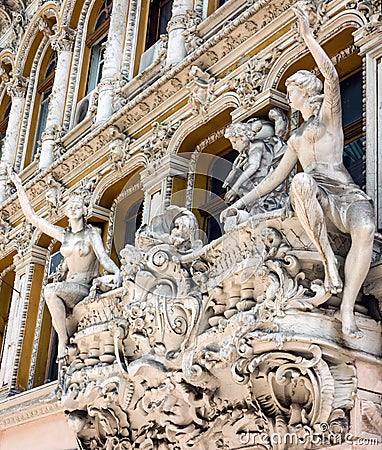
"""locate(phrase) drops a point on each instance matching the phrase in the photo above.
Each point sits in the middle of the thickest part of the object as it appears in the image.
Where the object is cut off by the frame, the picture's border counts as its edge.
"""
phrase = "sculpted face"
(296, 96)
(75, 208)
(239, 143)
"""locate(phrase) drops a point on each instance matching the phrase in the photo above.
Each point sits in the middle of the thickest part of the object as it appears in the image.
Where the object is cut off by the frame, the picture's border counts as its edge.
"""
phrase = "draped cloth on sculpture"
(337, 191)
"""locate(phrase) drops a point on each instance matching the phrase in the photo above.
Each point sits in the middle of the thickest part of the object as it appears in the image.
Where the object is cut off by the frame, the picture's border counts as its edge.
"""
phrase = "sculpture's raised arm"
(30, 214)
(332, 95)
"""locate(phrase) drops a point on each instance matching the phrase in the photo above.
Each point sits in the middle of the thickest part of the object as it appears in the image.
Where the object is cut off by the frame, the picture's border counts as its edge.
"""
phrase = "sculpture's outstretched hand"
(230, 196)
(13, 177)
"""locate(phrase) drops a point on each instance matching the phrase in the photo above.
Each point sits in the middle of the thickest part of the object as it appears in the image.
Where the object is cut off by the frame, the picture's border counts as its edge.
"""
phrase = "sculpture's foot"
(349, 326)
(333, 282)
(61, 351)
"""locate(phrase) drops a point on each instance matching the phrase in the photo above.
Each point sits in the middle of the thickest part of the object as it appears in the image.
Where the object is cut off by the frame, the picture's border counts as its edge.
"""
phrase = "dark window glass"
(352, 107)
(159, 16)
(52, 365)
(103, 13)
(42, 117)
(220, 170)
(354, 161)
(214, 229)
(4, 125)
(351, 98)
(133, 221)
(96, 64)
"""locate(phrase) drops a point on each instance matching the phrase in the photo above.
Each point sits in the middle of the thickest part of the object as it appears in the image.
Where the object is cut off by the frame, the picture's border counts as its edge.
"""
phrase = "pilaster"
(16, 88)
(157, 183)
(369, 43)
(26, 262)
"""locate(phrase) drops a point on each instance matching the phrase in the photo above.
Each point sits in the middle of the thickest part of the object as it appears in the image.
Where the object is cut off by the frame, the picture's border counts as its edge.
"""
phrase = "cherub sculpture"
(259, 150)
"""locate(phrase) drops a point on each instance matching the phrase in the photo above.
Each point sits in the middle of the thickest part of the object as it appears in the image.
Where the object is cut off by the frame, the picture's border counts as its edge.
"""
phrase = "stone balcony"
(203, 344)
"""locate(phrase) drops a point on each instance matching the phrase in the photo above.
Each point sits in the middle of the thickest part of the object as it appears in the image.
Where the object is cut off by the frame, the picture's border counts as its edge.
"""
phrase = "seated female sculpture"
(324, 190)
(83, 251)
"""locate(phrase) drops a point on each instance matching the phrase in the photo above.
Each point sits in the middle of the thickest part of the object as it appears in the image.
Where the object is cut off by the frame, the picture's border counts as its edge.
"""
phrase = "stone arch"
(189, 129)
(38, 30)
(286, 63)
(203, 134)
(135, 163)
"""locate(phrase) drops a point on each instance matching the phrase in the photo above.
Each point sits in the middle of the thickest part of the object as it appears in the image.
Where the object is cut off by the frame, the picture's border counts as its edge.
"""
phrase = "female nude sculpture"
(325, 188)
(83, 251)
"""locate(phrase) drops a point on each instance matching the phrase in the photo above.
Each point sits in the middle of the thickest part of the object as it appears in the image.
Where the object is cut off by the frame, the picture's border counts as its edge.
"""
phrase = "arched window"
(44, 90)
(128, 219)
(214, 205)
(94, 56)
(159, 16)
(7, 292)
(96, 43)
(154, 19)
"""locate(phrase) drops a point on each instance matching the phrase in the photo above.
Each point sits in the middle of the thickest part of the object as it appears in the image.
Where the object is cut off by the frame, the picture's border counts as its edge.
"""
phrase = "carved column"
(368, 40)
(16, 89)
(113, 59)
(30, 262)
(176, 50)
(62, 42)
(157, 184)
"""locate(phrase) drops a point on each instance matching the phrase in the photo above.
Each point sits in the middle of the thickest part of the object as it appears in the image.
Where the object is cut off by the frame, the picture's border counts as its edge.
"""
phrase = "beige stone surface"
(47, 433)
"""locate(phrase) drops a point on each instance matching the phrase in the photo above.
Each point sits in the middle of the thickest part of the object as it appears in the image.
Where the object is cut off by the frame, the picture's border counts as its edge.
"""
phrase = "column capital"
(29, 254)
(63, 39)
(17, 86)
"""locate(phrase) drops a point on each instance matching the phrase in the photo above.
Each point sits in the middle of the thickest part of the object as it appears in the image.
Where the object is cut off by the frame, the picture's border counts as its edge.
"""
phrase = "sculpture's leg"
(360, 222)
(303, 195)
(57, 310)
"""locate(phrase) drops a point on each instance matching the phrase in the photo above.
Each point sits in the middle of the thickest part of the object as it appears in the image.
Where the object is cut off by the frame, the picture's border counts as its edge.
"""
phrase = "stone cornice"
(25, 407)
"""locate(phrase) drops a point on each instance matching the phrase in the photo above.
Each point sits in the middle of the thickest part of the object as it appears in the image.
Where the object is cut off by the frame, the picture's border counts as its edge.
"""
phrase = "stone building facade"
(221, 336)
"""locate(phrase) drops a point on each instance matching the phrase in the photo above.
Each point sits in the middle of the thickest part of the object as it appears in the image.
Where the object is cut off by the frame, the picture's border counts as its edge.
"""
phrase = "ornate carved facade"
(221, 333)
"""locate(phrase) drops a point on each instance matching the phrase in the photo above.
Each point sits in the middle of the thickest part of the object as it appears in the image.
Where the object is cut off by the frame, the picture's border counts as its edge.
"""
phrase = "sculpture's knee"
(50, 292)
(364, 234)
(302, 187)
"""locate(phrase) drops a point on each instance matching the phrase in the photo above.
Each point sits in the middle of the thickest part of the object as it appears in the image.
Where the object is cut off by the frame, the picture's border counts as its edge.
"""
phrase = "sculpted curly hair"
(310, 84)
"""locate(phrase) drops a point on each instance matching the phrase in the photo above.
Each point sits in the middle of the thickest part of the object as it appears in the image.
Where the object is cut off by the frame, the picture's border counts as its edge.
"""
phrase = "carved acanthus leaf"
(249, 83)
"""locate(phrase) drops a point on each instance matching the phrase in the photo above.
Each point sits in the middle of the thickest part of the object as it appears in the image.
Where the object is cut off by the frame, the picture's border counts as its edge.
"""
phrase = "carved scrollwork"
(201, 87)
(371, 11)
(156, 147)
(295, 391)
(191, 34)
(196, 349)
